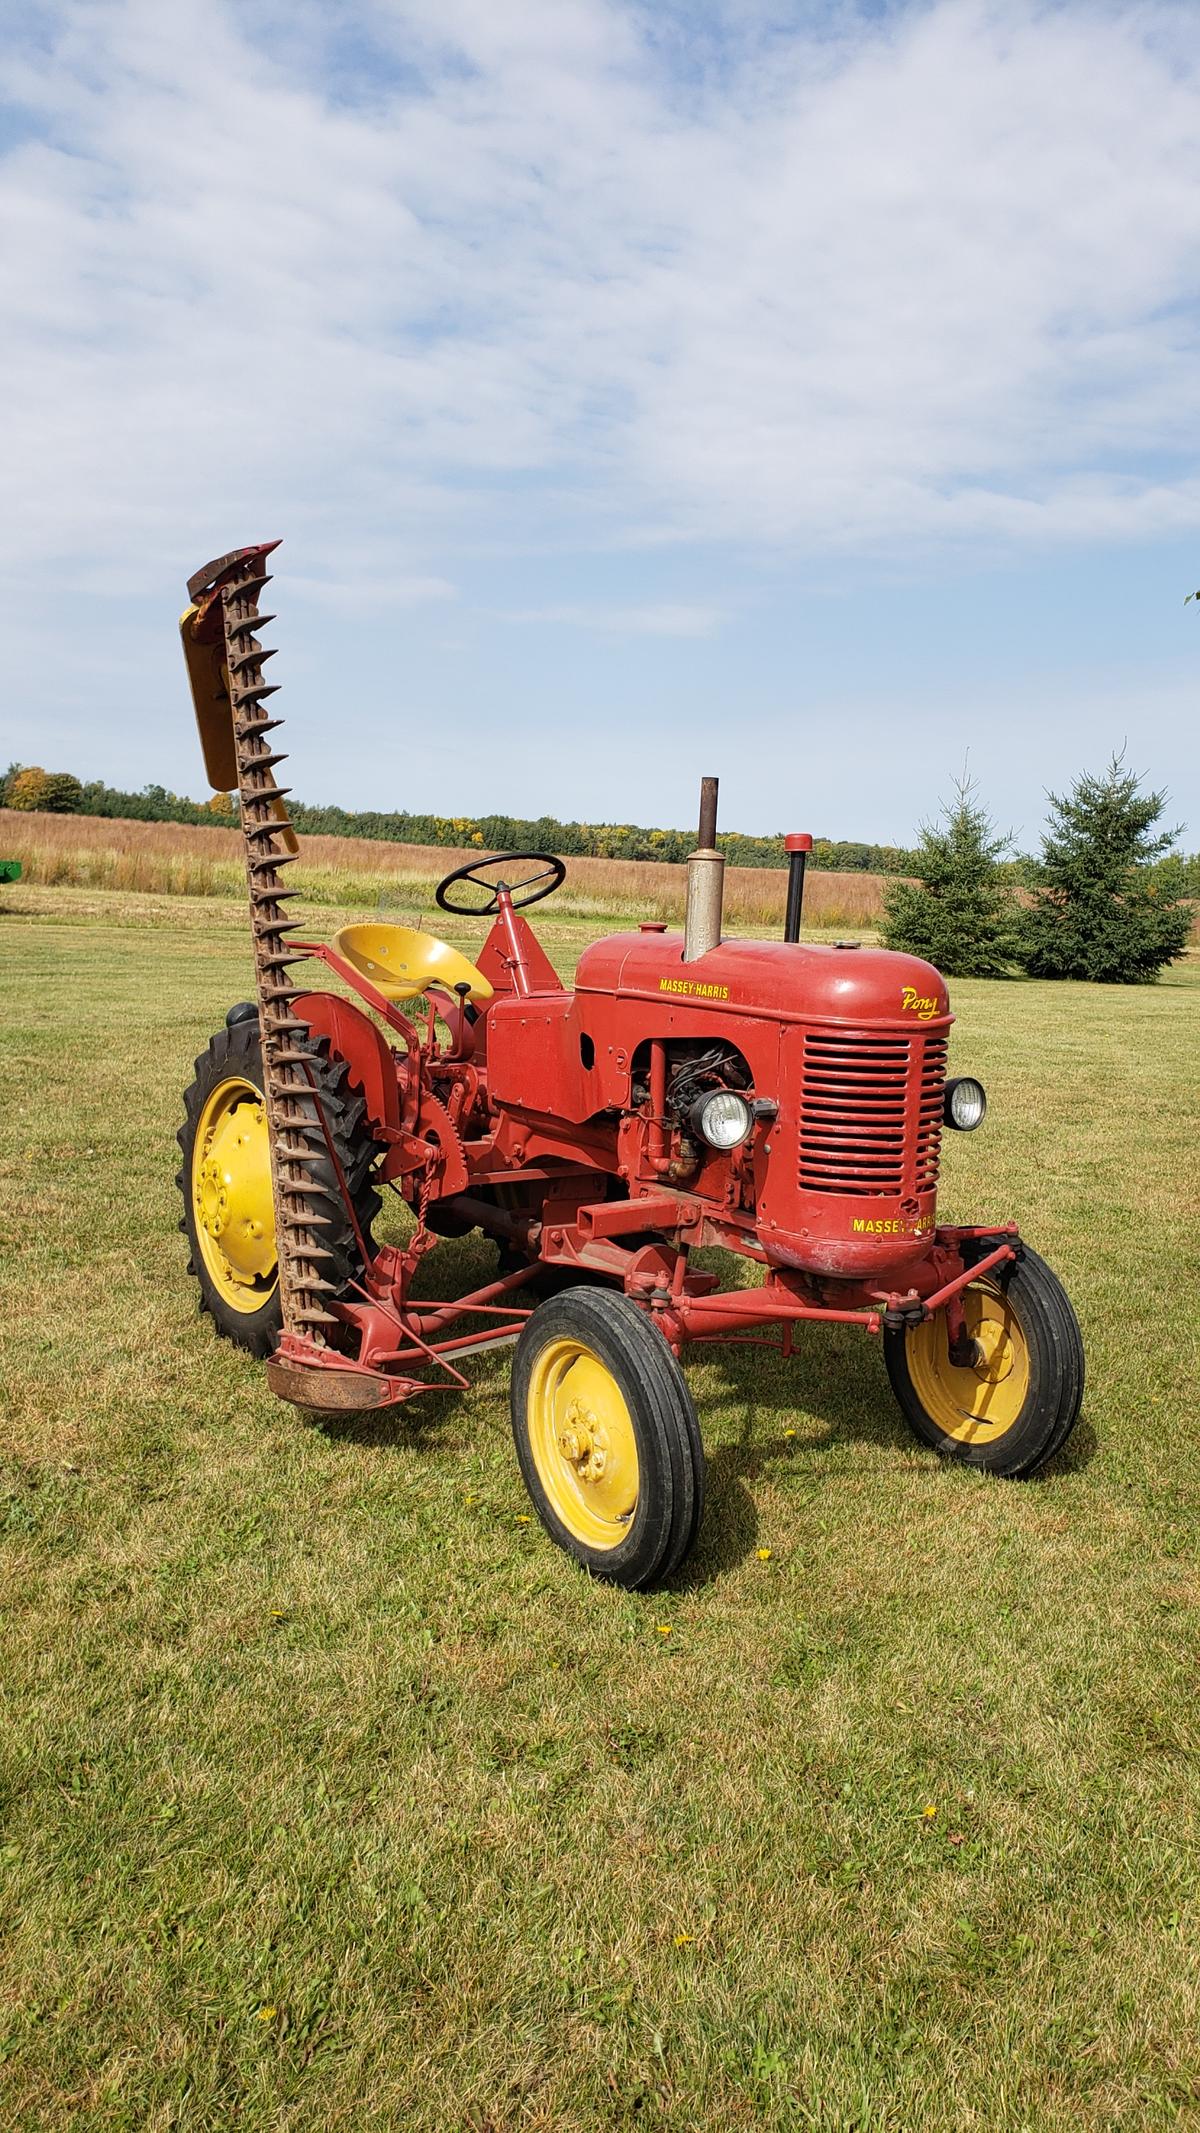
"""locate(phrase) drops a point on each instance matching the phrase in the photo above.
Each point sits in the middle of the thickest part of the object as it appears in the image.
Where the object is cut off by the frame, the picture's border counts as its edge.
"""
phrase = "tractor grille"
(871, 1112)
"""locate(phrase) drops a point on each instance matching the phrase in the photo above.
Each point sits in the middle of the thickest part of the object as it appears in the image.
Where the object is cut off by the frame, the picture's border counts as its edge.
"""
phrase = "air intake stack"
(797, 848)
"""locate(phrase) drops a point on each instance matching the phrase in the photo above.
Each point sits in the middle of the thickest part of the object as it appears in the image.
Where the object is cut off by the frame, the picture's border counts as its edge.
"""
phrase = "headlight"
(723, 1119)
(965, 1103)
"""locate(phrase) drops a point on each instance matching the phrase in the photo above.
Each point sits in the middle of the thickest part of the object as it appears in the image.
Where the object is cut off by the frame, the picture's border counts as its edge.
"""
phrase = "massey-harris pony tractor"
(782, 1101)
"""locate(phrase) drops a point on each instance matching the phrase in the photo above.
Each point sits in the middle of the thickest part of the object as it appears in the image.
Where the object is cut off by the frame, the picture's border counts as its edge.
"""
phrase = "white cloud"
(655, 619)
(510, 279)
(371, 595)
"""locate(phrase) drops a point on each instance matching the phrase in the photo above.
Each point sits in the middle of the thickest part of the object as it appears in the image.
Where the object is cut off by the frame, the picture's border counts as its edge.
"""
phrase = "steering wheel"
(551, 871)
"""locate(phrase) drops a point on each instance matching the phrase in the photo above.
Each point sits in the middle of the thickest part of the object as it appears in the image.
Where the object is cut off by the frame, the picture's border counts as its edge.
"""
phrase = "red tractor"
(782, 1101)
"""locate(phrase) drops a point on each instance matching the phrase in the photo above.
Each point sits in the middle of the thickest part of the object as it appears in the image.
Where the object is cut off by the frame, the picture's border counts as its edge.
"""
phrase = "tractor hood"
(783, 981)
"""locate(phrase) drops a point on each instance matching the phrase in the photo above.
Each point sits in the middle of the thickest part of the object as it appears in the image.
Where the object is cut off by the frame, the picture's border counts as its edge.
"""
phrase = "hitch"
(904, 1311)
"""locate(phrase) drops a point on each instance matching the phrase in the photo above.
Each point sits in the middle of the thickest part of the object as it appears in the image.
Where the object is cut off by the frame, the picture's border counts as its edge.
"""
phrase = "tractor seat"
(400, 962)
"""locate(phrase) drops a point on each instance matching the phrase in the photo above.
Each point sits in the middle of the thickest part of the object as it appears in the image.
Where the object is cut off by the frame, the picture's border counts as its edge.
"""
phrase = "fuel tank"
(787, 979)
(849, 1041)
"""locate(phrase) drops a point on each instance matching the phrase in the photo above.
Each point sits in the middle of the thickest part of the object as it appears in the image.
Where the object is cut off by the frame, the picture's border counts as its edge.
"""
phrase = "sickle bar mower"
(225, 625)
(780, 1101)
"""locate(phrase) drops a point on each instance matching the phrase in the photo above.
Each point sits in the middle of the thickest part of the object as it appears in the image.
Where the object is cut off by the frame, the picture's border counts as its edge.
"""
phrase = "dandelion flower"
(663, 1629)
(682, 1939)
(764, 1555)
(267, 2014)
(928, 1814)
(789, 1433)
(523, 1518)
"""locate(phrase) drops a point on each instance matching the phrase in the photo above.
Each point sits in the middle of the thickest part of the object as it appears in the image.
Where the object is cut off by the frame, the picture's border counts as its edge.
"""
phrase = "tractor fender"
(359, 1041)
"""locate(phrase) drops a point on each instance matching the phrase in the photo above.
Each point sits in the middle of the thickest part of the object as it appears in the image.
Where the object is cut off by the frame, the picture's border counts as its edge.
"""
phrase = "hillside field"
(335, 1799)
(83, 851)
(177, 859)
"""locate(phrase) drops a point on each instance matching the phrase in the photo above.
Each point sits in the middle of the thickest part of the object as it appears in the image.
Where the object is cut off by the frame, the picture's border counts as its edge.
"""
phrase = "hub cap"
(979, 1401)
(583, 1443)
(231, 1195)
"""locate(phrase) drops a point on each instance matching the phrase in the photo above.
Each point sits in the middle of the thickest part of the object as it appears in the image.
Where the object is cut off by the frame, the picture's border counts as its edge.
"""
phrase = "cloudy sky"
(805, 393)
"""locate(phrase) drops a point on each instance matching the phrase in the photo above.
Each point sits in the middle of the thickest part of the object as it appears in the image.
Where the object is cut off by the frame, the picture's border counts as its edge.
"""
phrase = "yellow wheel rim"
(231, 1195)
(583, 1443)
(978, 1402)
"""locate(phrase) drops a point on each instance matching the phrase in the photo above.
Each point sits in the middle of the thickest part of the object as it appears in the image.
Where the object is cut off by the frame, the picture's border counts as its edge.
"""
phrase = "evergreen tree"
(956, 914)
(1101, 912)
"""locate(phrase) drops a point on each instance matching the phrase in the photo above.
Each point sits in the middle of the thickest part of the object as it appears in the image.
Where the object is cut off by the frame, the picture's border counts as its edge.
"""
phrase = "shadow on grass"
(1077, 1453)
(834, 1384)
(834, 1377)
(729, 1532)
(831, 1380)
(428, 1418)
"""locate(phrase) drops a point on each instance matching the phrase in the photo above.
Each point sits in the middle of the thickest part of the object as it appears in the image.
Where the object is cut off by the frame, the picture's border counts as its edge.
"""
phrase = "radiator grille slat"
(871, 1113)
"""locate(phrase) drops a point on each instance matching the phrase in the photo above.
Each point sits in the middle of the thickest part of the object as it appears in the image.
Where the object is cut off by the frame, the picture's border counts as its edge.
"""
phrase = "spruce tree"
(956, 914)
(1099, 912)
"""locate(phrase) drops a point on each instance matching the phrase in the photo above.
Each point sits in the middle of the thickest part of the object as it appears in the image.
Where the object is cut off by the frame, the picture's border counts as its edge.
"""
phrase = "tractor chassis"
(397, 1336)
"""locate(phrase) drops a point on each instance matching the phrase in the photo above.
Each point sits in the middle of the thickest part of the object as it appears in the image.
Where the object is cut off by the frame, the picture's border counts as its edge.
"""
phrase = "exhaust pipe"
(705, 881)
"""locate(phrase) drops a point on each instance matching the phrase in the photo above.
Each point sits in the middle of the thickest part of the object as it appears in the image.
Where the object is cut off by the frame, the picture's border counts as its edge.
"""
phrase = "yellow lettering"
(691, 990)
(893, 1228)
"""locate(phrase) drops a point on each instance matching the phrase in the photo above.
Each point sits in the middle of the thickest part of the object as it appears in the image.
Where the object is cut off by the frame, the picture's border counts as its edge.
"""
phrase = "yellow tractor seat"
(400, 962)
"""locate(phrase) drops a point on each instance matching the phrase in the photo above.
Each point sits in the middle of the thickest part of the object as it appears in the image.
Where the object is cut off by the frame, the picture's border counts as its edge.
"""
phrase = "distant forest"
(58, 792)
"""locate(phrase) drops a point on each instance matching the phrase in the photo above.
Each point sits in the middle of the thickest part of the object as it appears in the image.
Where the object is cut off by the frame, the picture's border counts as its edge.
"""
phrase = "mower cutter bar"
(293, 1124)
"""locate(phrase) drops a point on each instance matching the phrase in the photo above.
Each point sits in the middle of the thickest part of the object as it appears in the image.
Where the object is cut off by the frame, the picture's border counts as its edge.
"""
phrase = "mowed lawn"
(334, 1797)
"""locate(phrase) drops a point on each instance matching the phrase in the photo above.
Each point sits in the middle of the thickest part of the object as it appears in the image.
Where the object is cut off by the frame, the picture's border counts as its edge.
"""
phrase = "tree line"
(27, 787)
(57, 792)
(1107, 898)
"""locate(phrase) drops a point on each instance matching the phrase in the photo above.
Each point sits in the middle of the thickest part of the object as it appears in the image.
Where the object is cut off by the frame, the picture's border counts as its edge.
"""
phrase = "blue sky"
(805, 394)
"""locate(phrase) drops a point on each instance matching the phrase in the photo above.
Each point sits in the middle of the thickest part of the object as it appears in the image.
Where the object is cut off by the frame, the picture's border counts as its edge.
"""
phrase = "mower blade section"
(296, 1140)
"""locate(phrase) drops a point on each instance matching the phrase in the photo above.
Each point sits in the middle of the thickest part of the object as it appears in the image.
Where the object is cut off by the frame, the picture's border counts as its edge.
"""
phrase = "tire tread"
(1043, 1428)
(236, 1049)
(671, 1455)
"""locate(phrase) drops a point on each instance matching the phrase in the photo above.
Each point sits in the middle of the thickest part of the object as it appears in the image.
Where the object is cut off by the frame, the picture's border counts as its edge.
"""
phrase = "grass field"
(173, 858)
(334, 1798)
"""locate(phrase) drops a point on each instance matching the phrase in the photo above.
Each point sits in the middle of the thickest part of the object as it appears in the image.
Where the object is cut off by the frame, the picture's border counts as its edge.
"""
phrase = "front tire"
(225, 1179)
(1014, 1406)
(606, 1437)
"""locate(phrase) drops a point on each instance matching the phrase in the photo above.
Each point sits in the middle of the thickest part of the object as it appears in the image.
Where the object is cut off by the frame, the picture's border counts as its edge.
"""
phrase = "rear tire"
(223, 1139)
(1015, 1407)
(606, 1437)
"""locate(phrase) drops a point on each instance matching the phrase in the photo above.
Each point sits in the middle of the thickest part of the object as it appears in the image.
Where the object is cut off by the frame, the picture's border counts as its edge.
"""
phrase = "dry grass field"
(175, 859)
(334, 1799)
